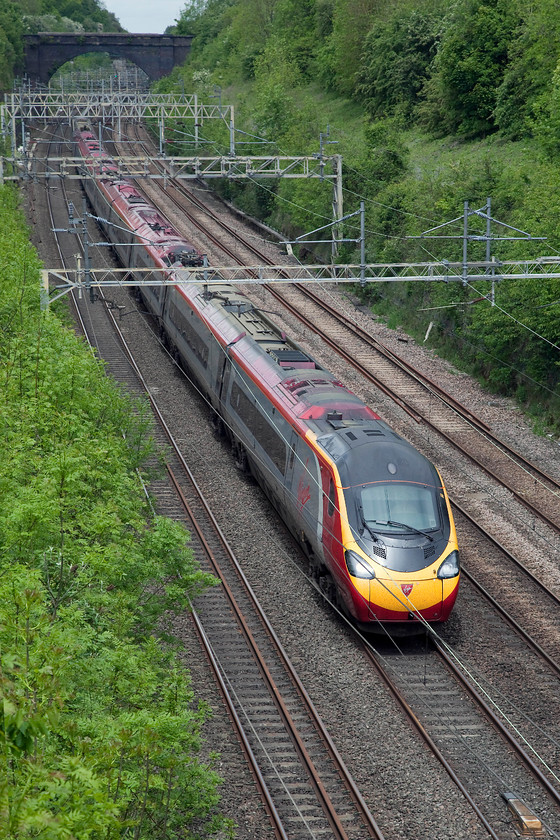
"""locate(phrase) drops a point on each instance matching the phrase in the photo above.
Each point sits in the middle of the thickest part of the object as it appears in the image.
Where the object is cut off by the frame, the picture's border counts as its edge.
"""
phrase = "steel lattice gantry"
(62, 281)
(174, 166)
(114, 107)
(108, 105)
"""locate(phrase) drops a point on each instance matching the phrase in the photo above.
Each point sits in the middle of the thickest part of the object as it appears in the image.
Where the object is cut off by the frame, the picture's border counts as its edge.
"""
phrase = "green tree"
(11, 42)
(469, 67)
(351, 21)
(528, 80)
(50, 23)
(396, 62)
(533, 55)
(295, 22)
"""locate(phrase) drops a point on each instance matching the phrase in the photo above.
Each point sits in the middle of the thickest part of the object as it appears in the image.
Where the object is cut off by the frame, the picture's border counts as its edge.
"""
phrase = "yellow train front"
(390, 540)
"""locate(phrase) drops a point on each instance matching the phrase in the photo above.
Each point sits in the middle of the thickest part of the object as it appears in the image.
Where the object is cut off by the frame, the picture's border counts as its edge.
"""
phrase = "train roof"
(371, 452)
(307, 391)
(294, 378)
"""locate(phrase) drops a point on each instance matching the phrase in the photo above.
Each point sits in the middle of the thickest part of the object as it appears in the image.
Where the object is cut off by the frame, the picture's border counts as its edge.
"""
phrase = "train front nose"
(405, 600)
(391, 597)
(399, 599)
(426, 594)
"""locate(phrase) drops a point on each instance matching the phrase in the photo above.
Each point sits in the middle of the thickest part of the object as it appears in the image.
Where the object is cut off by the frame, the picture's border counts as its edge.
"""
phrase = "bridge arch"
(156, 55)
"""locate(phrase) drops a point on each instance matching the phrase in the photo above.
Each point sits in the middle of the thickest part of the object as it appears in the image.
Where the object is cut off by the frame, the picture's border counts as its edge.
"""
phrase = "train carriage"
(371, 512)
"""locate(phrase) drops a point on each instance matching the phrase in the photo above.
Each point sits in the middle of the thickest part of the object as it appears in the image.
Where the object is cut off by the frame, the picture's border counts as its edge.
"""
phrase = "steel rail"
(424, 380)
(511, 557)
(373, 343)
(343, 774)
(553, 792)
(526, 758)
(407, 708)
(76, 309)
(239, 729)
(523, 634)
(306, 758)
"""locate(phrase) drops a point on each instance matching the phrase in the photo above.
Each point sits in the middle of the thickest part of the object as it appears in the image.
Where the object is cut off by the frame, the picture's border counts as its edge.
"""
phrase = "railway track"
(527, 483)
(461, 728)
(497, 814)
(454, 421)
(459, 413)
(304, 785)
(508, 574)
(418, 395)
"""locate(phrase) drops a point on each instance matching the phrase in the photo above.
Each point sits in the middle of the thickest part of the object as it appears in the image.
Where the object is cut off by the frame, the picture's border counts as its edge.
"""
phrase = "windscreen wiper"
(401, 525)
(372, 534)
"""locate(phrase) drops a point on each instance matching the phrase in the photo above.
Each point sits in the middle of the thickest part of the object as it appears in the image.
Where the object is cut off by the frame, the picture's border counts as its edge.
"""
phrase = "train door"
(224, 371)
(288, 484)
(332, 537)
(303, 495)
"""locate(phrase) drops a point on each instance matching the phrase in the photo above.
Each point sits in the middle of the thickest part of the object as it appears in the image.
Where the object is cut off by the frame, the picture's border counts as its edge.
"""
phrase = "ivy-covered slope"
(99, 727)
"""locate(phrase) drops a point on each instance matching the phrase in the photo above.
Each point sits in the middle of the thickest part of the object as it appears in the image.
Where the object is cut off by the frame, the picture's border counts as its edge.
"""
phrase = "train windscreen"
(393, 507)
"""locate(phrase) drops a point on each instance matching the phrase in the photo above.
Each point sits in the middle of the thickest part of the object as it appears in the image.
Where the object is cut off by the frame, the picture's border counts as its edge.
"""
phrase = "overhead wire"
(471, 671)
(411, 606)
(403, 238)
(323, 287)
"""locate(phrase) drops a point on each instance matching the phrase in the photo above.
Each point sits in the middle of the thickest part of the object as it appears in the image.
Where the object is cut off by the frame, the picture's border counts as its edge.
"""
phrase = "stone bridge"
(156, 55)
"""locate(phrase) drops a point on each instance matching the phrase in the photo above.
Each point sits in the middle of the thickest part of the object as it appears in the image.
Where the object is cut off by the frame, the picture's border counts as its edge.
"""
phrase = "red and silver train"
(370, 511)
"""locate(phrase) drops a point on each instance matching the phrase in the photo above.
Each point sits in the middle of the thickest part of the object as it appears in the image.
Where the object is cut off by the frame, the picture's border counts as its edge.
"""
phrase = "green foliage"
(18, 17)
(351, 21)
(98, 735)
(469, 67)
(276, 76)
(294, 22)
(89, 13)
(475, 68)
(99, 727)
(546, 111)
(396, 61)
(385, 153)
(11, 42)
(190, 19)
(50, 23)
(532, 59)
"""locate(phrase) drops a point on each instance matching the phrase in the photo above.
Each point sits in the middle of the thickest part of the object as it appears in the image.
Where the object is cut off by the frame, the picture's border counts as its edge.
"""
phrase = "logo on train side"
(303, 493)
(304, 487)
(407, 588)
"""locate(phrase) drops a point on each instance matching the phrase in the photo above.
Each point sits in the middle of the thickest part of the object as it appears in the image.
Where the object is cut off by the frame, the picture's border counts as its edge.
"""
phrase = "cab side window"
(332, 499)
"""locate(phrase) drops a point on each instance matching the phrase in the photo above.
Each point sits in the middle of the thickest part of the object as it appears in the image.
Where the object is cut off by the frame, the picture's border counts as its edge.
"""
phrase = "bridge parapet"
(156, 55)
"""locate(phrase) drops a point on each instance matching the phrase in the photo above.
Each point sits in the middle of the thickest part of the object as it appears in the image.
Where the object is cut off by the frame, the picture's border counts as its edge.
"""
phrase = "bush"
(469, 68)
(396, 62)
(99, 728)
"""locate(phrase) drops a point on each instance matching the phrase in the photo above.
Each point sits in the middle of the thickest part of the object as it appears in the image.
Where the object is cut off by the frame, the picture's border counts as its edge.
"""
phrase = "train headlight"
(357, 566)
(450, 566)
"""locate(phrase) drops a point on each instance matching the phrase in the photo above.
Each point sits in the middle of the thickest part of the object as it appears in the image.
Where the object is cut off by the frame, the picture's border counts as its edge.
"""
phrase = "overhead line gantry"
(110, 107)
